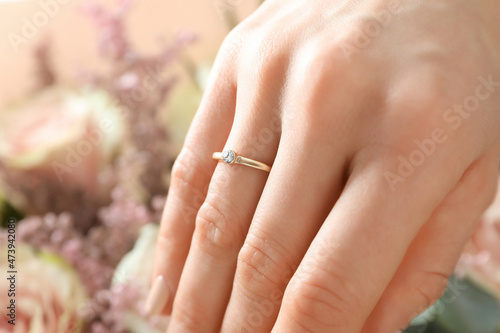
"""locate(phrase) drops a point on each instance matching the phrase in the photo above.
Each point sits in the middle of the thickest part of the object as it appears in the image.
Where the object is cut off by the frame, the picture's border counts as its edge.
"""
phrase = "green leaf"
(467, 308)
(7, 212)
(430, 327)
(464, 308)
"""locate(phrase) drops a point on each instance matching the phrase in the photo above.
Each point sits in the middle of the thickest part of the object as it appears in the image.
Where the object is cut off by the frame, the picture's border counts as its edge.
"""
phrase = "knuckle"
(188, 173)
(262, 267)
(325, 299)
(421, 91)
(168, 243)
(181, 173)
(270, 57)
(325, 77)
(228, 56)
(189, 182)
(323, 62)
(311, 305)
(322, 76)
(403, 131)
(430, 288)
(232, 43)
(187, 317)
(216, 230)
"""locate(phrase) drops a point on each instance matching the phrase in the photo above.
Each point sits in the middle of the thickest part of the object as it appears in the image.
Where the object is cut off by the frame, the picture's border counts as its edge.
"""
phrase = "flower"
(48, 293)
(481, 258)
(135, 271)
(55, 148)
(120, 308)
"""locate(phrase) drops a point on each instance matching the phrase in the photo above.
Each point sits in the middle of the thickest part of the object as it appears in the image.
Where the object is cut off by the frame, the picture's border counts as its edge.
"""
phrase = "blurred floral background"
(96, 98)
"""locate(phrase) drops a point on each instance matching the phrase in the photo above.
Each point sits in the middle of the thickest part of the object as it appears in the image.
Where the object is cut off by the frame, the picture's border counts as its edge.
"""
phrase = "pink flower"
(481, 259)
(47, 293)
(55, 148)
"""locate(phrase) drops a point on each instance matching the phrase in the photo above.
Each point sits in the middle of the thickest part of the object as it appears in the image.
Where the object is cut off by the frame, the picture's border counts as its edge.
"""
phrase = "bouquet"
(84, 171)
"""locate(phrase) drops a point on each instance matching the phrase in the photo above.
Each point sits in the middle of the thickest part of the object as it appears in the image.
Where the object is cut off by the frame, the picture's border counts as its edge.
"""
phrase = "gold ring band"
(230, 157)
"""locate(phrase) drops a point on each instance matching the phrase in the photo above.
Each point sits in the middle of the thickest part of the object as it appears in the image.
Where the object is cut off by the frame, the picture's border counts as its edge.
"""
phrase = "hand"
(381, 122)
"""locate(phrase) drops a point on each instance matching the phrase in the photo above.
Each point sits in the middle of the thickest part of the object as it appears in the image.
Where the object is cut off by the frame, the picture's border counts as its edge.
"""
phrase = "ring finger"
(223, 219)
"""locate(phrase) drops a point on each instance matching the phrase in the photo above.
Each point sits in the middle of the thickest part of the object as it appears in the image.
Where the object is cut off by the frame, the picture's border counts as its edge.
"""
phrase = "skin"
(328, 241)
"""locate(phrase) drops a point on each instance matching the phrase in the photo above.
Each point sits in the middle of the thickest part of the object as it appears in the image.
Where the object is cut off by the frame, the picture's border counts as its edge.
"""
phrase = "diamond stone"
(228, 156)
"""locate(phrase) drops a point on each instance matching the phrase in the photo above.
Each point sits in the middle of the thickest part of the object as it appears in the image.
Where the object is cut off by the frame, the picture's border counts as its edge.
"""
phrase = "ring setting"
(229, 156)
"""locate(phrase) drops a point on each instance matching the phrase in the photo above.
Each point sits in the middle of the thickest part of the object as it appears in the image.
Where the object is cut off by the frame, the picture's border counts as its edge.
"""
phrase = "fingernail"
(158, 297)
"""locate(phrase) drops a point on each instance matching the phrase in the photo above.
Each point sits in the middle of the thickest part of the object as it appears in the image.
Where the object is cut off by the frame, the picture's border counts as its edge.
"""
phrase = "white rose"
(48, 293)
(137, 267)
(57, 143)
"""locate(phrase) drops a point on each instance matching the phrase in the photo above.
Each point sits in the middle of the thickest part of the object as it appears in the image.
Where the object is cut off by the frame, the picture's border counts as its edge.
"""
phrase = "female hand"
(380, 120)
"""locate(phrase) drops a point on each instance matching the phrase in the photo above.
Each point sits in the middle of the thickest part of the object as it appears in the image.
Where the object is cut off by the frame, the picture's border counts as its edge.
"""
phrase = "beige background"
(74, 37)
